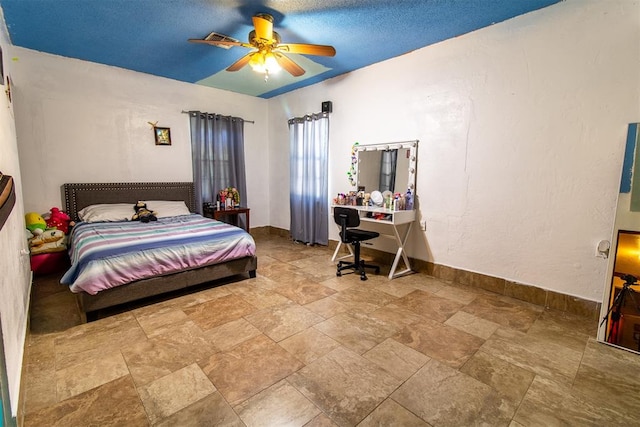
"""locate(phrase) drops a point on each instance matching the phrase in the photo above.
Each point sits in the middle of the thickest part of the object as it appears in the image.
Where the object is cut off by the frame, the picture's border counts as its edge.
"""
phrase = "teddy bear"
(142, 213)
(58, 220)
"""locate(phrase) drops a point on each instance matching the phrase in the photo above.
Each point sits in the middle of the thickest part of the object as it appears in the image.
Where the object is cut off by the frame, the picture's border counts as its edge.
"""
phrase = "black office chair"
(347, 219)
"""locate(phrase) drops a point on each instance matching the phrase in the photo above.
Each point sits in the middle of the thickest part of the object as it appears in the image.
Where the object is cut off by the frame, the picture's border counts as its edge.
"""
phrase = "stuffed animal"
(58, 220)
(48, 241)
(142, 213)
(35, 223)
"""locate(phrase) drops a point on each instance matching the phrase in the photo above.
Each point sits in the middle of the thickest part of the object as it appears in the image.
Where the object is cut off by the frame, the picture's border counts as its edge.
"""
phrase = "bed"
(79, 196)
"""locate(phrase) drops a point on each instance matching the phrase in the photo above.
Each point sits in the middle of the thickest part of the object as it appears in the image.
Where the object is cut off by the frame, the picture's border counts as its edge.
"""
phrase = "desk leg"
(401, 253)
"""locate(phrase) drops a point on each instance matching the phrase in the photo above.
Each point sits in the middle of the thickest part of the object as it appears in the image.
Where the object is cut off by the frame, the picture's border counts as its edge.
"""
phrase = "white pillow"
(107, 212)
(167, 208)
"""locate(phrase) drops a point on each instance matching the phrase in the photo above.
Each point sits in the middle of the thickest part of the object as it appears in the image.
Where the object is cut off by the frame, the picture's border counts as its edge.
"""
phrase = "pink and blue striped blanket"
(108, 254)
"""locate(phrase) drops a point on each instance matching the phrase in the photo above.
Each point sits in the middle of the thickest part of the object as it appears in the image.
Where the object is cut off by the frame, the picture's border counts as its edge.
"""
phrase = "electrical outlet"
(423, 225)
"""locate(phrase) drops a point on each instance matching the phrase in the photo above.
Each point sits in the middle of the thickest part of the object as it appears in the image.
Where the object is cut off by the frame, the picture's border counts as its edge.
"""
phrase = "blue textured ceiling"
(150, 36)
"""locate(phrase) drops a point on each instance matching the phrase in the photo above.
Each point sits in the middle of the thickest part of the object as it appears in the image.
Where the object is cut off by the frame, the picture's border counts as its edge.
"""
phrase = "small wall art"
(163, 135)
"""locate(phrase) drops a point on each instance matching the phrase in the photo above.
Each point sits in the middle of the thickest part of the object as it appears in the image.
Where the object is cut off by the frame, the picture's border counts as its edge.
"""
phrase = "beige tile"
(578, 381)
(397, 359)
(304, 291)
(86, 375)
(249, 368)
(510, 381)
(279, 405)
(327, 307)
(397, 316)
(548, 403)
(390, 413)
(344, 385)
(536, 354)
(174, 392)
(309, 345)
(163, 354)
(612, 394)
(442, 342)
(282, 321)
(90, 341)
(429, 305)
(457, 293)
(258, 297)
(114, 403)
(219, 311)
(443, 396)
(229, 335)
(420, 282)
(321, 420)
(38, 379)
(473, 325)
(363, 299)
(566, 329)
(209, 411)
(338, 283)
(505, 311)
(358, 332)
(153, 319)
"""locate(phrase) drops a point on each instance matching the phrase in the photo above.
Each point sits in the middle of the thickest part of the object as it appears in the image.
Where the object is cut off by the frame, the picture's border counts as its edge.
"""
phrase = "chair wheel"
(377, 270)
(338, 274)
(363, 277)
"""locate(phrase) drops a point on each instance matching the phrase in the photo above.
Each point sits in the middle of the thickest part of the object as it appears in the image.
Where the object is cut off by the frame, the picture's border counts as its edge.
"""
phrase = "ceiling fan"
(268, 53)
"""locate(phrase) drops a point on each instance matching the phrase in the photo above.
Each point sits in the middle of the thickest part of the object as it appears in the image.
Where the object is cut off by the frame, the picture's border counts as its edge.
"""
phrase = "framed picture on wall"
(163, 135)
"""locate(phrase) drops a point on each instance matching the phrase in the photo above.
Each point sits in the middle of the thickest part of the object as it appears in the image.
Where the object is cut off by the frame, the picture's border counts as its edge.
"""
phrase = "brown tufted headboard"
(78, 196)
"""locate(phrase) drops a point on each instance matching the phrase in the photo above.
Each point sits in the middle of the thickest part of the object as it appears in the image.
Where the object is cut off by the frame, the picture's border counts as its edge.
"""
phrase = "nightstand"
(228, 215)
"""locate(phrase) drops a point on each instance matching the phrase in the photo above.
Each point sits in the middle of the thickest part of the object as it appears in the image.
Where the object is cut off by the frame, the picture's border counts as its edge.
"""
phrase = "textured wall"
(15, 279)
(83, 122)
(522, 128)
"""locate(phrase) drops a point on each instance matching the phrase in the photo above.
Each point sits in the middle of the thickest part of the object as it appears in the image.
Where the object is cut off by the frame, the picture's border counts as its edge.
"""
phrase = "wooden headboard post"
(78, 196)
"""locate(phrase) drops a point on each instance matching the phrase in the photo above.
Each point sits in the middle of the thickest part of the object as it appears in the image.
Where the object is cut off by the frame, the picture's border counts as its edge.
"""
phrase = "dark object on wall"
(7, 198)
(1, 69)
(327, 107)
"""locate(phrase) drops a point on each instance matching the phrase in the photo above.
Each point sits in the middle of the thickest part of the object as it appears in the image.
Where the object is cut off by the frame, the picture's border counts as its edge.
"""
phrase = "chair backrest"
(345, 218)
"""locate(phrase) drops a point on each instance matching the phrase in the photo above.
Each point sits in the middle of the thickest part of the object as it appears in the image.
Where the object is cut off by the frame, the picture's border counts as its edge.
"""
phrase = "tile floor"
(298, 346)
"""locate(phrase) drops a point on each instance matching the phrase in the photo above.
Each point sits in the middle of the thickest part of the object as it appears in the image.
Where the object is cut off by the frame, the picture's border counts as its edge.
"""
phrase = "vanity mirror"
(387, 167)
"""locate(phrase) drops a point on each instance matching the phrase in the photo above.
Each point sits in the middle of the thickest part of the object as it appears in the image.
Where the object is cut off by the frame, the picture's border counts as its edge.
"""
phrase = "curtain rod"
(246, 121)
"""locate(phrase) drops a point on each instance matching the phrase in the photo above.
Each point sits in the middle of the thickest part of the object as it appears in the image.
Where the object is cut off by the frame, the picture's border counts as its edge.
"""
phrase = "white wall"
(522, 128)
(15, 279)
(85, 122)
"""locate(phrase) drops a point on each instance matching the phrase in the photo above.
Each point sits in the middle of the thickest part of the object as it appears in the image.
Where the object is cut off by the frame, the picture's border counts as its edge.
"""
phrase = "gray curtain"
(217, 150)
(309, 141)
(388, 170)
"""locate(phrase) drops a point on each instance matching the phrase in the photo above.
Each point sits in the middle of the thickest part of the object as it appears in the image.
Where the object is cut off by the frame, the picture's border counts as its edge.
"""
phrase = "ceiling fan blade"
(220, 43)
(292, 68)
(264, 26)
(241, 62)
(307, 49)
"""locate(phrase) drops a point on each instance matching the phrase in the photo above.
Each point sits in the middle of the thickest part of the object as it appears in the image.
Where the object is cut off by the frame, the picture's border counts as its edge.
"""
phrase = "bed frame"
(78, 196)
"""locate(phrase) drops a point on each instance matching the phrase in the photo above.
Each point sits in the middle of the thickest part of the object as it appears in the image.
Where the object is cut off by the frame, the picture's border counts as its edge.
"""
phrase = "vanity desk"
(385, 168)
(398, 225)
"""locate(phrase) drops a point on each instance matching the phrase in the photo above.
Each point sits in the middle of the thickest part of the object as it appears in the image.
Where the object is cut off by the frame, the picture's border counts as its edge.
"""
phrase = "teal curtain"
(309, 205)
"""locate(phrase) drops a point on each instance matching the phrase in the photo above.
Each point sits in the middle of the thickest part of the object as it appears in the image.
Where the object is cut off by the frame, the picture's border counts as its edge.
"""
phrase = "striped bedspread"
(108, 254)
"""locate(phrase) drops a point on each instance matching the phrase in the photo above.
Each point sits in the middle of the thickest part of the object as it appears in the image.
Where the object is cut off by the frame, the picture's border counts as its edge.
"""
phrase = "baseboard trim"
(531, 294)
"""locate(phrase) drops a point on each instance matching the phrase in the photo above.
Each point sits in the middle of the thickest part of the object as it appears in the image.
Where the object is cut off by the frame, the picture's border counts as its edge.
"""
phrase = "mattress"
(109, 254)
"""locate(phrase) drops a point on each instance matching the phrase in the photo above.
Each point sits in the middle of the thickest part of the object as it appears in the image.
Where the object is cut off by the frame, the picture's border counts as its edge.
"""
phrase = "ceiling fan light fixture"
(264, 63)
